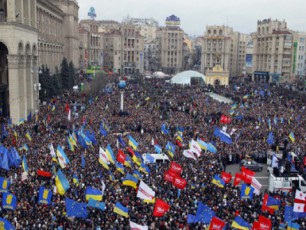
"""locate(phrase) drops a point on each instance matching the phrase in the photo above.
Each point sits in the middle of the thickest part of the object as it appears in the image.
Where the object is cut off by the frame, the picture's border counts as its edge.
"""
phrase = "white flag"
(256, 185)
(195, 147)
(189, 154)
(145, 192)
(69, 115)
(135, 226)
(52, 152)
(103, 187)
(299, 201)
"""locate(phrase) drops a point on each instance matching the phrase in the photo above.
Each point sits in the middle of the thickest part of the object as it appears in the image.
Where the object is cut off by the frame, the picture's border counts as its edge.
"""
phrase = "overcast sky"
(241, 15)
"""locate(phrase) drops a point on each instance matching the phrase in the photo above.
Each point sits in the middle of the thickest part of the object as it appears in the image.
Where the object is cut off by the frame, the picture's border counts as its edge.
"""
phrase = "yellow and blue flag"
(111, 176)
(70, 145)
(62, 158)
(61, 182)
(137, 175)
(293, 226)
(121, 210)
(170, 147)
(121, 141)
(21, 121)
(75, 209)
(202, 144)
(24, 164)
(234, 106)
(103, 132)
(96, 204)
(9, 201)
(94, 194)
(218, 181)
(6, 224)
(132, 142)
(291, 136)
(145, 169)
(273, 203)
(130, 180)
(4, 185)
(128, 162)
(24, 147)
(119, 167)
(246, 192)
(158, 148)
(28, 136)
(110, 154)
(239, 223)
(45, 195)
(75, 179)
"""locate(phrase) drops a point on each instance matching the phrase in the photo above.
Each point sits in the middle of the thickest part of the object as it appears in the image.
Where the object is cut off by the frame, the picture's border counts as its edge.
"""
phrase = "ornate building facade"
(30, 35)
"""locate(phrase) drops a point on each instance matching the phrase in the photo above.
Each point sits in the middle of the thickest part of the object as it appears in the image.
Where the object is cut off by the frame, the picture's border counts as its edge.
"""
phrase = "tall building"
(90, 44)
(32, 33)
(150, 59)
(225, 47)
(170, 46)
(273, 51)
(107, 26)
(123, 50)
(300, 55)
(216, 48)
(146, 26)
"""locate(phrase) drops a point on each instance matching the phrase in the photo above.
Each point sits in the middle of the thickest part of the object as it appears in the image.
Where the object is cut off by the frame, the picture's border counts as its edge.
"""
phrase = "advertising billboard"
(248, 60)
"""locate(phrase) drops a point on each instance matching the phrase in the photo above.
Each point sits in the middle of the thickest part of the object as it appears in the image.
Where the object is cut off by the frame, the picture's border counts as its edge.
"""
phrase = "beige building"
(221, 45)
(30, 35)
(170, 41)
(146, 26)
(107, 26)
(90, 44)
(123, 50)
(217, 76)
(273, 51)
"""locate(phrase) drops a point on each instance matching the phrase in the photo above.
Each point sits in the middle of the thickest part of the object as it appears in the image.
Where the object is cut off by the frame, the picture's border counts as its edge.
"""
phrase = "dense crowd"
(148, 105)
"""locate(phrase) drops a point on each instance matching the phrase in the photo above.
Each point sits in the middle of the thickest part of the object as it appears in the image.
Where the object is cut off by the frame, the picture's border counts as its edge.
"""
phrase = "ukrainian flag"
(15, 134)
(179, 137)
(120, 168)
(63, 159)
(72, 140)
(128, 162)
(121, 210)
(24, 147)
(53, 108)
(143, 168)
(111, 176)
(202, 144)
(239, 223)
(24, 164)
(158, 148)
(110, 154)
(132, 142)
(234, 106)
(21, 121)
(94, 194)
(70, 145)
(130, 180)
(293, 226)
(273, 203)
(75, 179)
(218, 181)
(137, 175)
(61, 182)
(28, 136)
(136, 160)
(291, 136)
(246, 96)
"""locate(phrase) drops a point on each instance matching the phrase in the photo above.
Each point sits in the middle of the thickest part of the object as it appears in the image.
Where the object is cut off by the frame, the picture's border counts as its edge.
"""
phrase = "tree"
(71, 75)
(65, 74)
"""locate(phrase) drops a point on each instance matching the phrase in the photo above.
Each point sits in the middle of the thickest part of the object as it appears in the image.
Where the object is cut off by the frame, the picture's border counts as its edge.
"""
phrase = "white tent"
(159, 74)
(185, 77)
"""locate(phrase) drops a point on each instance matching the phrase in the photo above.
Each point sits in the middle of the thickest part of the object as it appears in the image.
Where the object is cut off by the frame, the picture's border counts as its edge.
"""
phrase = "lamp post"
(121, 86)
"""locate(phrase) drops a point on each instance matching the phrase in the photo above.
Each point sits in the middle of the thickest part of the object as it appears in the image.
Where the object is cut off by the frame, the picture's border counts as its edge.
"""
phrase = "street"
(262, 176)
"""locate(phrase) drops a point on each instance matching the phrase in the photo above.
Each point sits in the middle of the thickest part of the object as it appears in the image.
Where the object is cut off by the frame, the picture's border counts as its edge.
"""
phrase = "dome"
(186, 76)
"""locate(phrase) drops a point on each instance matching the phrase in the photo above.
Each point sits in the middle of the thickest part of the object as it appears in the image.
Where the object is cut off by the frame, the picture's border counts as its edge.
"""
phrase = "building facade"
(300, 55)
(123, 50)
(217, 48)
(18, 59)
(217, 76)
(90, 44)
(30, 35)
(273, 51)
(170, 41)
(146, 26)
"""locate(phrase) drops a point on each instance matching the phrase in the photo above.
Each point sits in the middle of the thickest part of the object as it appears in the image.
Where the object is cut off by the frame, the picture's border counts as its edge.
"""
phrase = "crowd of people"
(148, 104)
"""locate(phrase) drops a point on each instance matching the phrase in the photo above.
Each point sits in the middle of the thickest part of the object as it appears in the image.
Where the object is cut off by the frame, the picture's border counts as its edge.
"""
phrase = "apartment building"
(146, 26)
(91, 46)
(170, 41)
(273, 52)
(299, 55)
(123, 50)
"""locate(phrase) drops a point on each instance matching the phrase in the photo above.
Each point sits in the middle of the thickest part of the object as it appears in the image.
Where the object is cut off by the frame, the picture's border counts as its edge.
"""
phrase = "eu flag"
(75, 209)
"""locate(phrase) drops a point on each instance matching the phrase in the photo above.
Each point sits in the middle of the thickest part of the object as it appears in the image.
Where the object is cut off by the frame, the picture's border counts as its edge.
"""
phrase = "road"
(262, 176)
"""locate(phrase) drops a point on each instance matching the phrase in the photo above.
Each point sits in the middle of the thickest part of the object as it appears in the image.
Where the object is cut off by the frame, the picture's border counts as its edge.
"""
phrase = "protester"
(185, 110)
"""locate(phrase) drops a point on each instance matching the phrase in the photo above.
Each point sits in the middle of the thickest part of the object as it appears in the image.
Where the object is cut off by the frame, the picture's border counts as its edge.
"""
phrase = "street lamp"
(121, 86)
